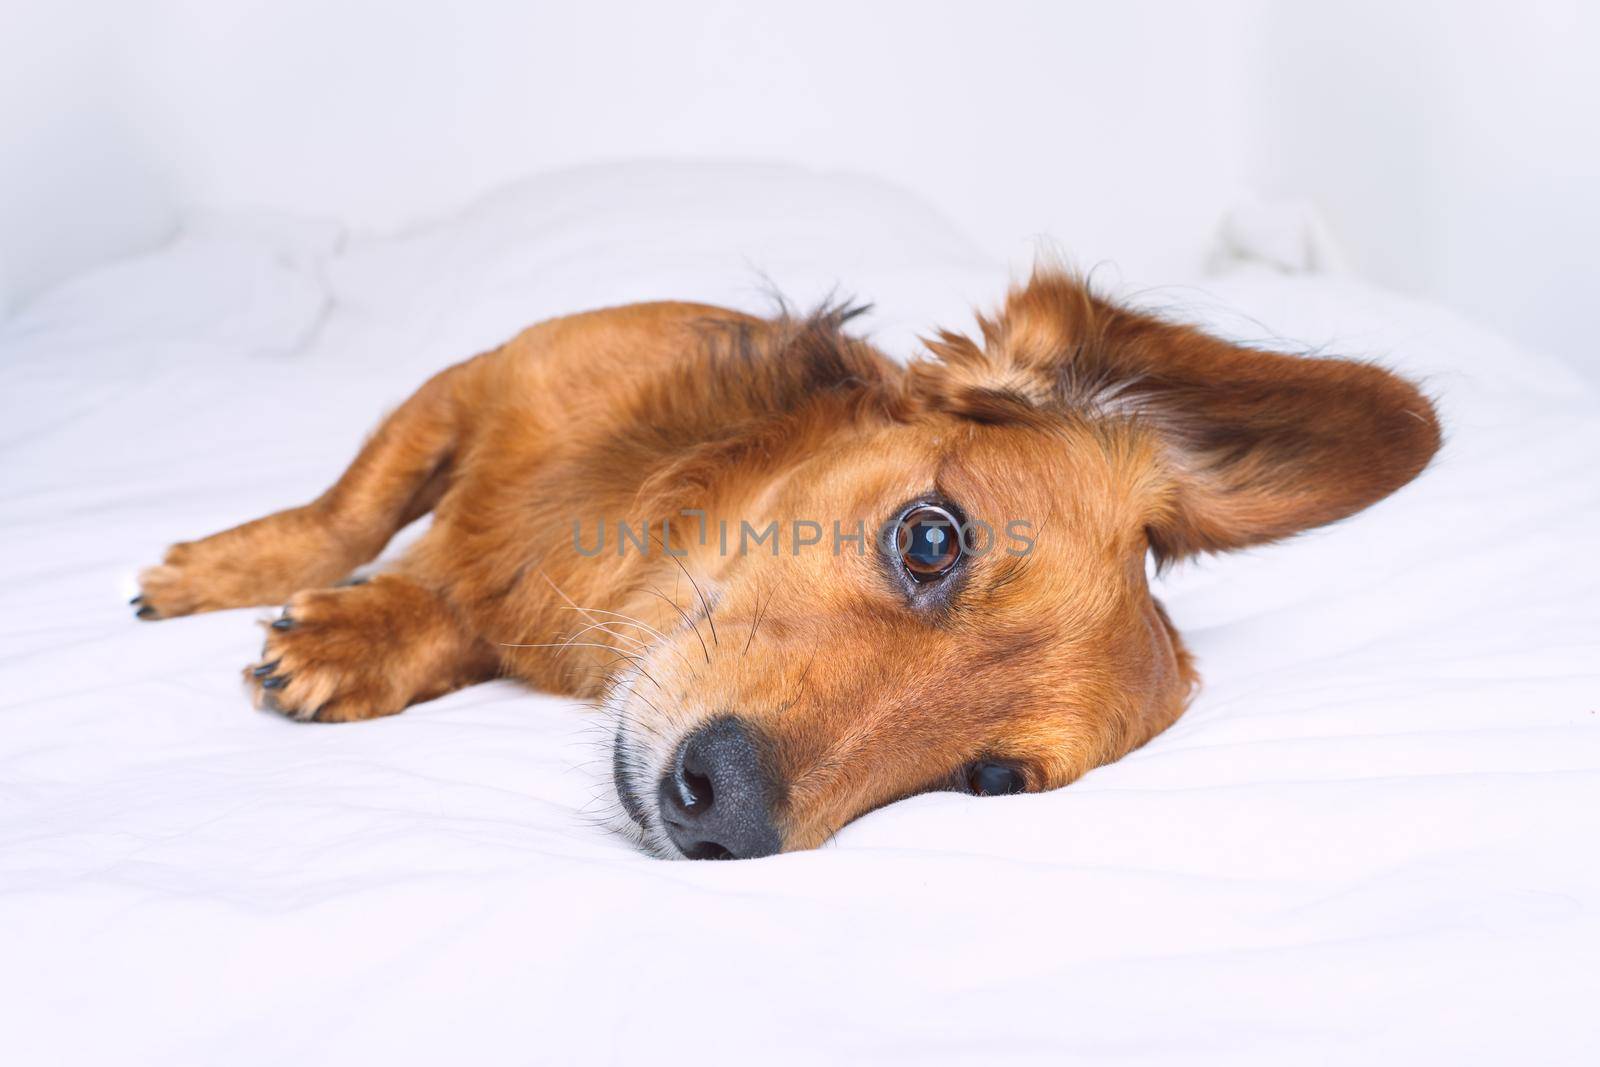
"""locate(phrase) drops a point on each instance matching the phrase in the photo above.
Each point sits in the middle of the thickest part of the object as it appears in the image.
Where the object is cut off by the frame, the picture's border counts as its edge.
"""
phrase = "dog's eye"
(987, 779)
(929, 542)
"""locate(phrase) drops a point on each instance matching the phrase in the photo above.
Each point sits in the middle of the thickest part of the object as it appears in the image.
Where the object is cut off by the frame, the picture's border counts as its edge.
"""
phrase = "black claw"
(265, 669)
(284, 623)
(276, 682)
(146, 612)
(138, 599)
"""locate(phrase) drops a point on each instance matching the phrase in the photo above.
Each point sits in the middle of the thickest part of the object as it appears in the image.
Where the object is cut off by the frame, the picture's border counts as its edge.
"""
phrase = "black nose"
(716, 802)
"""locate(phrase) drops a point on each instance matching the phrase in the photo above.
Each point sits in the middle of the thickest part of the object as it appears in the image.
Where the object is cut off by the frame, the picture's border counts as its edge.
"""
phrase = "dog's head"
(939, 582)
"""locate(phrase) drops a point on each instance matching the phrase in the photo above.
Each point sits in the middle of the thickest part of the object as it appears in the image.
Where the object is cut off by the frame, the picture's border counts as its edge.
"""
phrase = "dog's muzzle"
(715, 799)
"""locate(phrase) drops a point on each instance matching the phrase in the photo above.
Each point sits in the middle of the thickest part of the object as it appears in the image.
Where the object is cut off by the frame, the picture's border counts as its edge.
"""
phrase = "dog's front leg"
(363, 651)
(399, 475)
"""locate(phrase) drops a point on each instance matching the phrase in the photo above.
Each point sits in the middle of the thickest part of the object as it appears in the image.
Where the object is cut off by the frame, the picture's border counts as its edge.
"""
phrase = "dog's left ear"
(1255, 445)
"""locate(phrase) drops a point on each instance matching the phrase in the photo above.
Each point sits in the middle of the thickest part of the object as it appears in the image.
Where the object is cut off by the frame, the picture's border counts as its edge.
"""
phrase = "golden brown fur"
(1113, 433)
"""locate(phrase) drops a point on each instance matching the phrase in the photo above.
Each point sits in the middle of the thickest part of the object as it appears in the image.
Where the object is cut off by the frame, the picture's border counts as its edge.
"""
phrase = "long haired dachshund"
(805, 580)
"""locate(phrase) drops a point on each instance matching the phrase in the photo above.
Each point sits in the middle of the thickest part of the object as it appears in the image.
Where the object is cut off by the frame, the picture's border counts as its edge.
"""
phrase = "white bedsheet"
(1372, 838)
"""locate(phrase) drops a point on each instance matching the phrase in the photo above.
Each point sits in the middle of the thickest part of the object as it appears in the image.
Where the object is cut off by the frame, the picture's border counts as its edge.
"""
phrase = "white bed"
(1371, 839)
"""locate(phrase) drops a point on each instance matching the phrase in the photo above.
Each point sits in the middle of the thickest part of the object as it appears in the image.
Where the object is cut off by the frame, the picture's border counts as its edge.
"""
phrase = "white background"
(1451, 147)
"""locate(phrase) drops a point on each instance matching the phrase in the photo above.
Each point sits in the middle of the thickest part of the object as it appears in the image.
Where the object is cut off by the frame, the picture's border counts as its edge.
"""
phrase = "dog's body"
(596, 482)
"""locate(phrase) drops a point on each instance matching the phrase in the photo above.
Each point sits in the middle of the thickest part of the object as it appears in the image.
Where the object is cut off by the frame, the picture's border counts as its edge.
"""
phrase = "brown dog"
(807, 581)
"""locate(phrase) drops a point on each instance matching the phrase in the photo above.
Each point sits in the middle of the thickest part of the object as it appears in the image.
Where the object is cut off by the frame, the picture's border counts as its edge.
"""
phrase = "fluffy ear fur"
(1255, 445)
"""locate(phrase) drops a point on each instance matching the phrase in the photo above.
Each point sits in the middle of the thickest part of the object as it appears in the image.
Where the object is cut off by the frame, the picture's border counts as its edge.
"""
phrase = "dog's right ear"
(1255, 445)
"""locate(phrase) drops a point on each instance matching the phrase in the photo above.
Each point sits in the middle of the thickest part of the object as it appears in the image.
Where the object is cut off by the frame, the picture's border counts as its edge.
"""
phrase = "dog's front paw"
(326, 659)
(181, 584)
